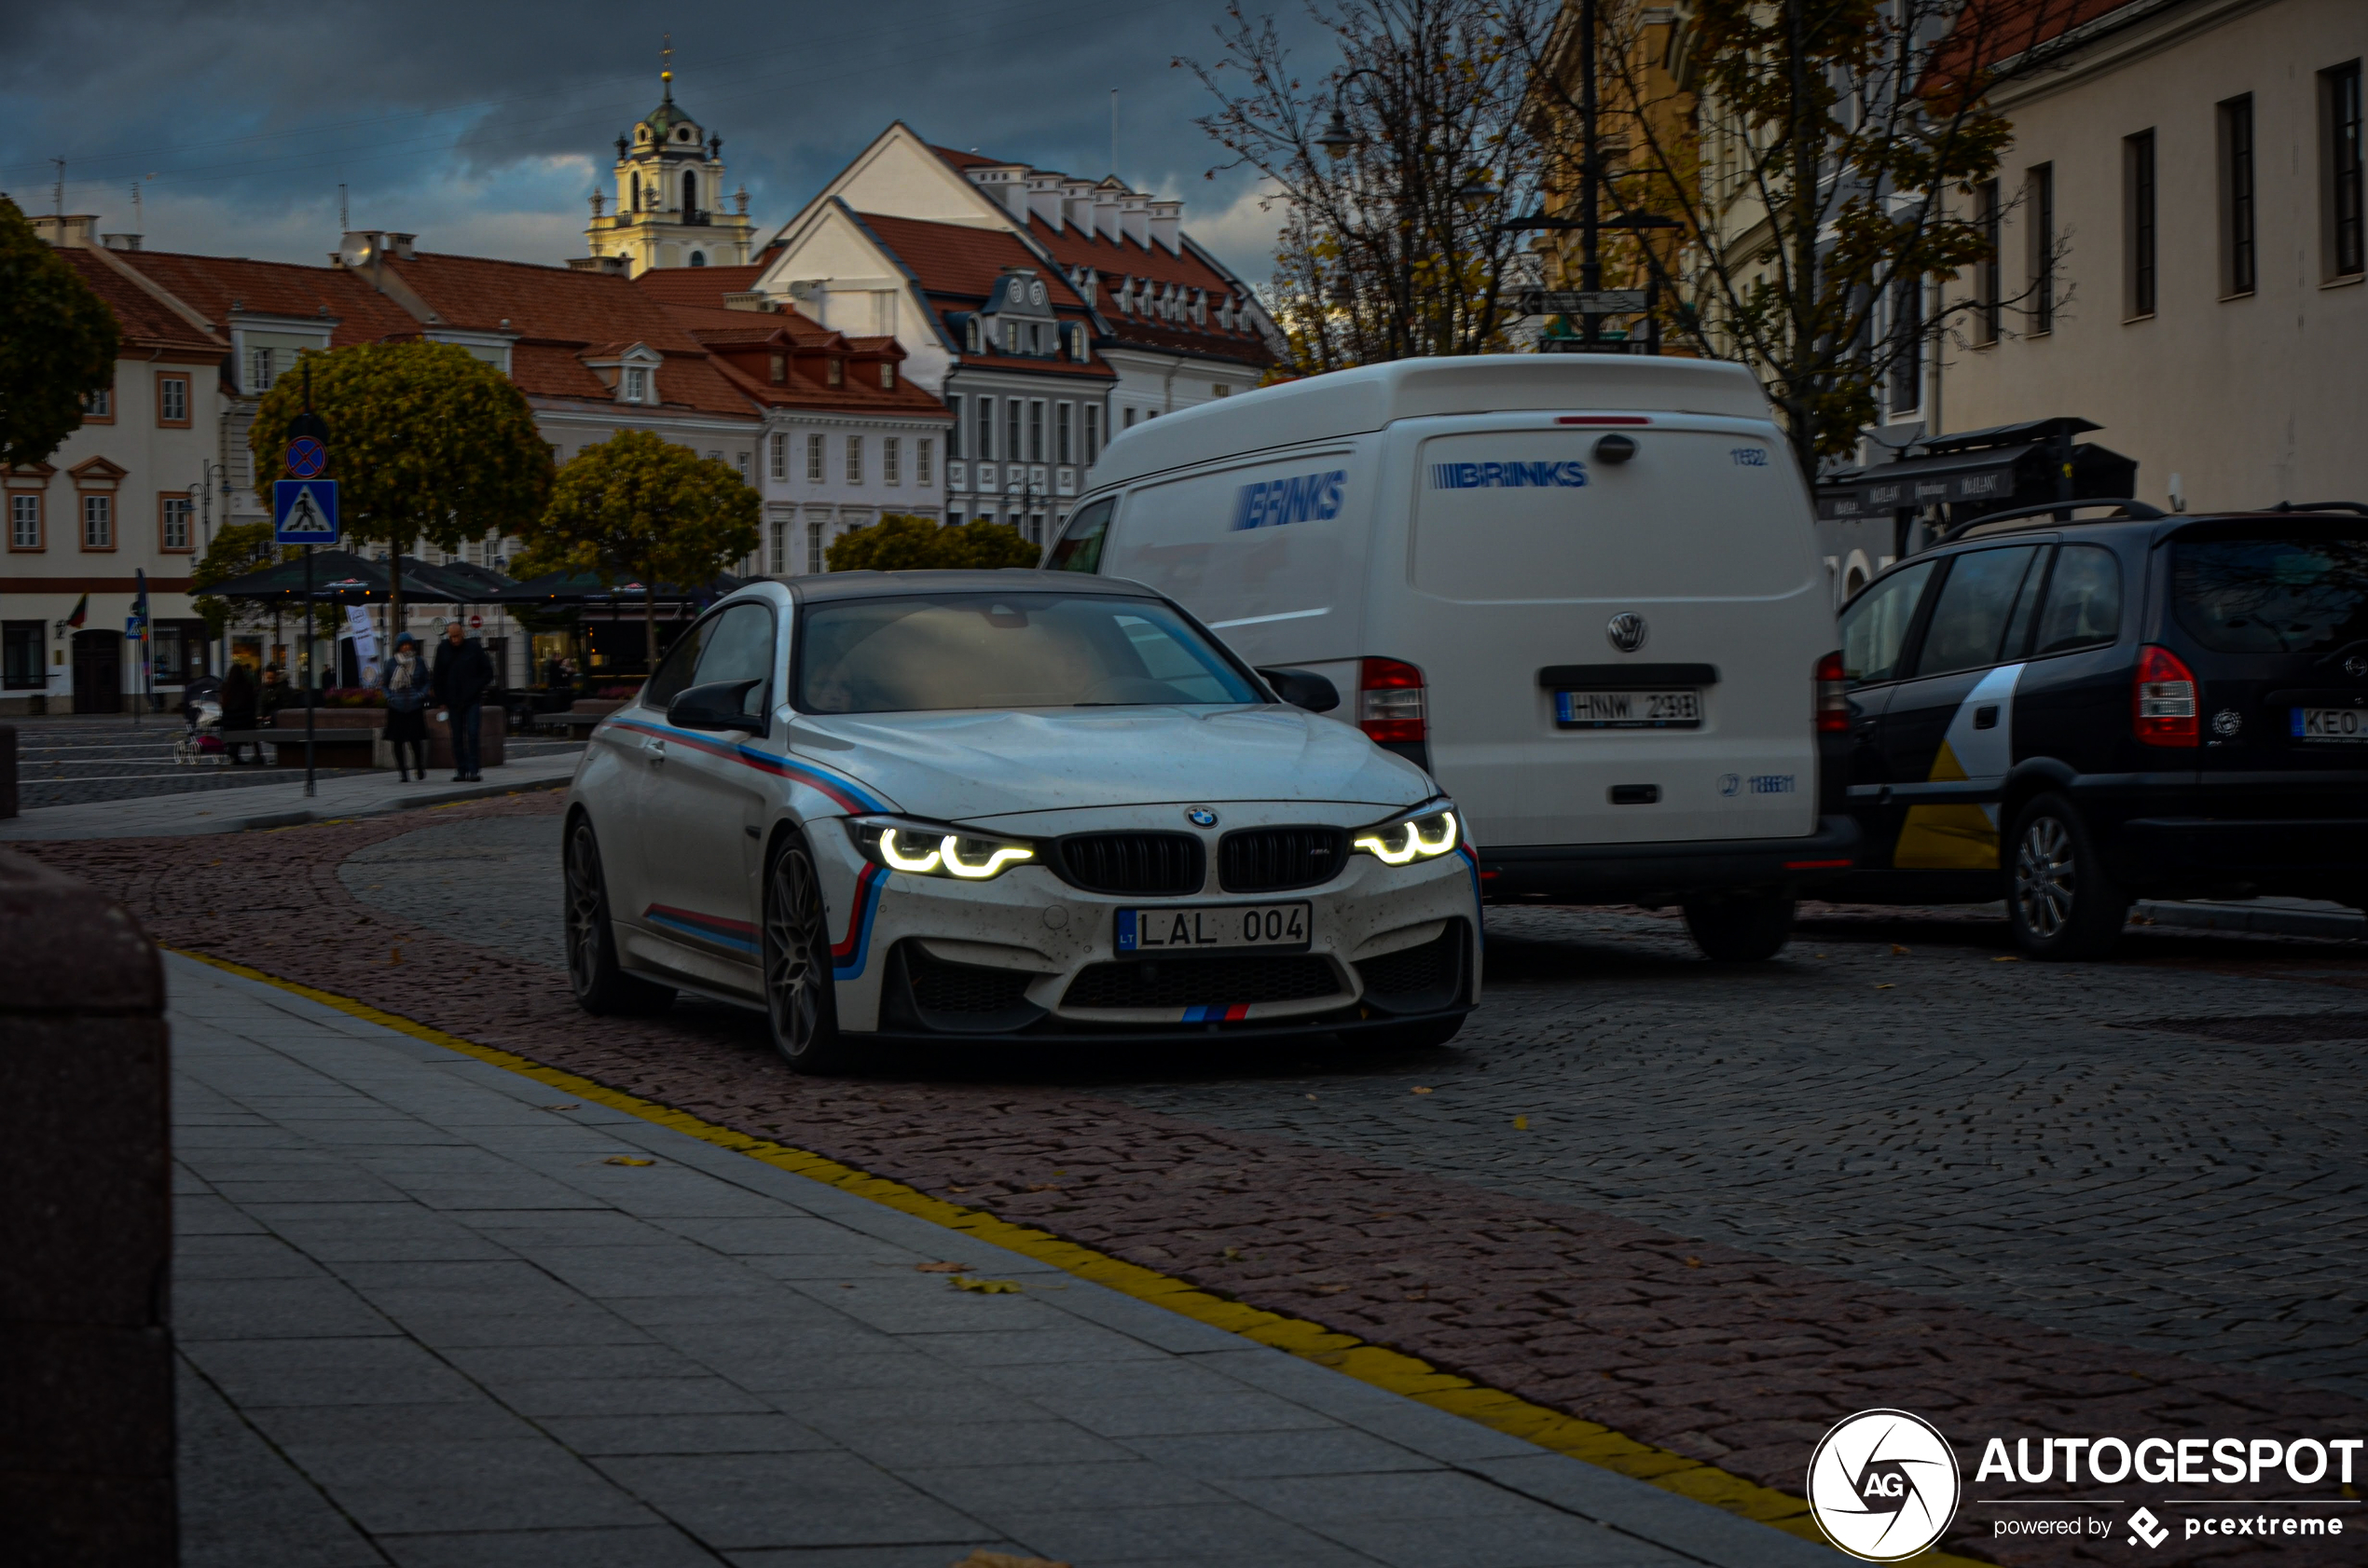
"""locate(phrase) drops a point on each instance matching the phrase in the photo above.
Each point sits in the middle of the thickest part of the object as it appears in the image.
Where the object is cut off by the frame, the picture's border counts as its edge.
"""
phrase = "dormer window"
(975, 338)
(836, 375)
(1010, 337)
(887, 375)
(781, 369)
(636, 384)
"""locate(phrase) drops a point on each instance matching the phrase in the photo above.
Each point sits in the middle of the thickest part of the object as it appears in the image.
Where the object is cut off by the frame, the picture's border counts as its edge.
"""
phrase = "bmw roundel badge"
(1201, 816)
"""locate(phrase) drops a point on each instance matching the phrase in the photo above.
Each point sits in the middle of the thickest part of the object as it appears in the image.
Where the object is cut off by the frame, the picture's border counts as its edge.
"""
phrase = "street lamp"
(1336, 138)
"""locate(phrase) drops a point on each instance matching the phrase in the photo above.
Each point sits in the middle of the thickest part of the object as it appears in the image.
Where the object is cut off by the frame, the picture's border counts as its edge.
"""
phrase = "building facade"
(670, 206)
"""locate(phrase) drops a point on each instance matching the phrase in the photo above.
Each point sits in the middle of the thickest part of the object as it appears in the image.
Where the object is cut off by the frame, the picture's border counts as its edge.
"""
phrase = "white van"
(1583, 591)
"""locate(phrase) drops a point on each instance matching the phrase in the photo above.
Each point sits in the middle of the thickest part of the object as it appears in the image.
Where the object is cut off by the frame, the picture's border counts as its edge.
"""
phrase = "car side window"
(2083, 601)
(1969, 619)
(674, 671)
(1875, 626)
(739, 647)
(1080, 546)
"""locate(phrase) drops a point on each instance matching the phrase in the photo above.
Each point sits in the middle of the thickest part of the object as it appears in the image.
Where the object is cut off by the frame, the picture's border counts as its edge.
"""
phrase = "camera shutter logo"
(1883, 1485)
(1626, 631)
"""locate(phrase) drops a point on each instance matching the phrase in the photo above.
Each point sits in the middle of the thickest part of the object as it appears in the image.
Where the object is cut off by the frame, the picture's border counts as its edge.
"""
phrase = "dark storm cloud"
(489, 124)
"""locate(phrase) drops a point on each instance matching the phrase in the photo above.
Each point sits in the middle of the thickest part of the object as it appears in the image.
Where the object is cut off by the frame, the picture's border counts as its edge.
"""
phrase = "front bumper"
(1028, 954)
(1666, 872)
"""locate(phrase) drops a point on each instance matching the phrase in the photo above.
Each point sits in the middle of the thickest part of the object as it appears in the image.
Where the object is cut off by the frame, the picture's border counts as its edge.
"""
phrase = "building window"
(1064, 444)
(2138, 221)
(1987, 212)
(924, 467)
(954, 431)
(780, 367)
(2042, 247)
(887, 375)
(891, 461)
(814, 547)
(98, 407)
(1092, 431)
(173, 523)
(1011, 337)
(98, 522)
(636, 384)
(689, 193)
(2340, 94)
(23, 642)
(1014, 430)
(1036, 430)
(173, 400)
(777, 555)
(985, 428)
(261, 371)
(1130, 420)
(1907, 345)
(813, 460)
(778, 448)
(854, 459)
(836, 375)
(24, 521)
(2239, 265)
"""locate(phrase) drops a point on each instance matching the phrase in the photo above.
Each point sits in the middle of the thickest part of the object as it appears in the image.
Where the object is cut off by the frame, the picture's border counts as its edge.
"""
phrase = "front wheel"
(2061, 901)
(602, 986)
(1740, 927)
(800, 1003)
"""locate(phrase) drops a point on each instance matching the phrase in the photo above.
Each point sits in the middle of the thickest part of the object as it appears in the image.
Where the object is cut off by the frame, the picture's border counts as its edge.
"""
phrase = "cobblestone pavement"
(1744, 1204)
(68, 761)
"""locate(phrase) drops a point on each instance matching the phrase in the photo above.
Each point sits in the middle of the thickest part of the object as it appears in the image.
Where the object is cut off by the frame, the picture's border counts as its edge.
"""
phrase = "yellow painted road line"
(1409, 1376)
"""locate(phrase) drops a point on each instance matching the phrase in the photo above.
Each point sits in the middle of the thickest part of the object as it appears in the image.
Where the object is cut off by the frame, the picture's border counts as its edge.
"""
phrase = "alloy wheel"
(2045, 876)
(795, 947)
(586, 908)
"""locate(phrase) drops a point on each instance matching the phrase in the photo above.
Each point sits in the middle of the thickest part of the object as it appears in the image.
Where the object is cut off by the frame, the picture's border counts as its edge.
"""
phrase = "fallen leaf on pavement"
(1420, 1089)
(1886, 985)
(1044, 1187)
(1693, 1262)
(942, 1267)
(567, 1104)
(1520, 1125)
(984, 1559)
(985, 1286)
(2008, 958)
(1896, 948)
(626, 1160)
(1233, 1255)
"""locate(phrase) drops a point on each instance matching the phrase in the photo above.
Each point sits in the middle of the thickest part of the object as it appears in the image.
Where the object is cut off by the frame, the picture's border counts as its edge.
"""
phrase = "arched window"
(690, 192)
(637, 192)
(698, 258)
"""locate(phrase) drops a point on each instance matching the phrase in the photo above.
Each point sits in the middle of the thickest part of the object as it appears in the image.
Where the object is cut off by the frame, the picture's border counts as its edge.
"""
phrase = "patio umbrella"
(338, 577)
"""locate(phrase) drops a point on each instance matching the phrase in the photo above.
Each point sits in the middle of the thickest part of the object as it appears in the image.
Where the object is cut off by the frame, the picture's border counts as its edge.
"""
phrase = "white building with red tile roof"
(1047, 311)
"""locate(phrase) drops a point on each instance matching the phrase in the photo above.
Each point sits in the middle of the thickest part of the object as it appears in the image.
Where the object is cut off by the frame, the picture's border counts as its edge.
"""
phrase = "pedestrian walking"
(238, 697)
(407, 690)
(462, 676)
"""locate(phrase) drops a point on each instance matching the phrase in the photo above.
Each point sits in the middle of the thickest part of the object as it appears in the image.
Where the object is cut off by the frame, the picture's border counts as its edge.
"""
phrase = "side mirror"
(1304, 688)
(721, 704)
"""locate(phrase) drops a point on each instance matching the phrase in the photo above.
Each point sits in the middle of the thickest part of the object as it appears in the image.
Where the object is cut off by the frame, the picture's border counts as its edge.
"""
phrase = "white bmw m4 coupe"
(965, 806)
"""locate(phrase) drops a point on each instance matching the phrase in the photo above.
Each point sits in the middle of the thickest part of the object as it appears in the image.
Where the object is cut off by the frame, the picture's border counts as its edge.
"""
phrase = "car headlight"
(1425, 834)
(935, 849)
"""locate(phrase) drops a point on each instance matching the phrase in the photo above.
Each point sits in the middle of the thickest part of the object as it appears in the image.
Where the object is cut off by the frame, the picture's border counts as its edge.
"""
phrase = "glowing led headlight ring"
(1413, 845)
(899, 861)
(997, 858)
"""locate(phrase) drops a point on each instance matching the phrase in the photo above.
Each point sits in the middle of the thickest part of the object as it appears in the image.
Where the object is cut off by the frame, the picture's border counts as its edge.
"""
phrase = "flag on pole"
(81, 613)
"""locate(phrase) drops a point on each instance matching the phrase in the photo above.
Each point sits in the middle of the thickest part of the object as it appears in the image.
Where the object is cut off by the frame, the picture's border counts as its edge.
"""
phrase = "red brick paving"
(1707, 1351)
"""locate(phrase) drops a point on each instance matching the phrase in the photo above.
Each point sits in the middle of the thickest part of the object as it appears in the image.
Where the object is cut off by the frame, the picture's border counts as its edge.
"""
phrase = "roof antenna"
(58, 194)
(344, 223)
(1113, 131)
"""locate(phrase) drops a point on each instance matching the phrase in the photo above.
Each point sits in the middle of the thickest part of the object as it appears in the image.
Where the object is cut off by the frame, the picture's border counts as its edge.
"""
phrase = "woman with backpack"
(407, 690)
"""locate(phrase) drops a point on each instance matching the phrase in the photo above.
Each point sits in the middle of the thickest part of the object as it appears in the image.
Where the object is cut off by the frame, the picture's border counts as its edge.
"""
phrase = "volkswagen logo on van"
(1626, 631)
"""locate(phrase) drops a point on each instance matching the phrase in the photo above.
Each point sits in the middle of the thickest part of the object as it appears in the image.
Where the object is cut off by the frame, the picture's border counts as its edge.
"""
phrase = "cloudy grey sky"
(483, 127)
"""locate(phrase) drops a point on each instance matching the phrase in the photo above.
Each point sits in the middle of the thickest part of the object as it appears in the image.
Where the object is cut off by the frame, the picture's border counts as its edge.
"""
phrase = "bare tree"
(1392, 170)
(1829, 162)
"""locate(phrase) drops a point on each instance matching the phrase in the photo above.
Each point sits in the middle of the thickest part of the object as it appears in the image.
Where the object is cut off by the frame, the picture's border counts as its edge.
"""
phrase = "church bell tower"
(670, 206)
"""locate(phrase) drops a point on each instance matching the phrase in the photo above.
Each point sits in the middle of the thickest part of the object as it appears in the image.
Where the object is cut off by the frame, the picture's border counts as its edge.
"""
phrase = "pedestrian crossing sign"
(303, 511)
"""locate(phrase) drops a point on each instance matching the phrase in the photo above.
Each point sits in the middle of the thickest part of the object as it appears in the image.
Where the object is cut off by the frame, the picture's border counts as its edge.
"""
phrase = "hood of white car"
(957, 767)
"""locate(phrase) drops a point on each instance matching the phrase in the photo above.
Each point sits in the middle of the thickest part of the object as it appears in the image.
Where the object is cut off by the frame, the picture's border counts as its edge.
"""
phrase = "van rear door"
(1616, 652)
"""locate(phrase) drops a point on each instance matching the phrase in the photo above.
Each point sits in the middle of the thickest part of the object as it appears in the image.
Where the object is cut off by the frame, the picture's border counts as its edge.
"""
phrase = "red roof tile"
(213, 285)
(742, 344)
(698, 286)
(145, 321)
(963, 263)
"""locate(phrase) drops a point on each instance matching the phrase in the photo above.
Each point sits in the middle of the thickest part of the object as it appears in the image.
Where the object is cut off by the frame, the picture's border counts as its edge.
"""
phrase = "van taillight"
(1833, 697)
(1389, 700)
(2162, 701)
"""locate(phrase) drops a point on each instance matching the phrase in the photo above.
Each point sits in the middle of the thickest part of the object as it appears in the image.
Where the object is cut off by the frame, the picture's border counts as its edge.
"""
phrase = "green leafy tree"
(58, 343)
(428, 443)
(898, 542)
(639, 508)
(238, 548)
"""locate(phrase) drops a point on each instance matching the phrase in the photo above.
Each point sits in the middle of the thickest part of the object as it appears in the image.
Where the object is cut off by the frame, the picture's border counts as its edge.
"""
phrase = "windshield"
(2295, 595)
(1026, 650)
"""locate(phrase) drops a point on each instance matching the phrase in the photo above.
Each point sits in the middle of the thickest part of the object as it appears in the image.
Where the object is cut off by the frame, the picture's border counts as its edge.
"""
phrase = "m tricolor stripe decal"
(1223, 1013)
(844, 791)
(737, 935)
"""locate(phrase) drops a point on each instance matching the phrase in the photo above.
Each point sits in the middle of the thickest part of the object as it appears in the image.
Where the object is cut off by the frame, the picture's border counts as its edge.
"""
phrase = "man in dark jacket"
(460, 680)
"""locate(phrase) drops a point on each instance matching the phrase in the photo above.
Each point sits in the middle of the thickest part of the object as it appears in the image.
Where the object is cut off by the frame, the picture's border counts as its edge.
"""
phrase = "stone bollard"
(8, 770)
(85, 1232)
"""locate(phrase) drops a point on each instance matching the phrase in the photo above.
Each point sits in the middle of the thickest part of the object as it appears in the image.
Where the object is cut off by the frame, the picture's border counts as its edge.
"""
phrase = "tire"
(602, 986)
(1739, 927)
(2061, 901)
(801, 1004)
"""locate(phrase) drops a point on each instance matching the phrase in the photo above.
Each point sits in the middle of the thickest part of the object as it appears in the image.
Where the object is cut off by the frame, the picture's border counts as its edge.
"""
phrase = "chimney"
(753, 300)
(1044, 198)
(1106, 211)
(74, 231)
(1076, 204)
(399, 245)
(1167, 225)
(616, 266)
(1134, 217)
(121, 242)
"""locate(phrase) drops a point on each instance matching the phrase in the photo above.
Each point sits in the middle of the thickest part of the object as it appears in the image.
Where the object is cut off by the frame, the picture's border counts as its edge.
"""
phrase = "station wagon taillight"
(1833, 697)
(2162, 702)
(1390, 700)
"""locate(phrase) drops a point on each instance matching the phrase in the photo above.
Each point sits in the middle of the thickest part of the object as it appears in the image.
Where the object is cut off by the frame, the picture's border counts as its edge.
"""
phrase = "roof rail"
(2129, 509)
(2321, 506)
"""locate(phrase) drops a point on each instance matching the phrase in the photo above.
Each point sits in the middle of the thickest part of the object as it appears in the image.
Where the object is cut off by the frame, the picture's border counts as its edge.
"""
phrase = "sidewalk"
(273, 805)
(427, 1320)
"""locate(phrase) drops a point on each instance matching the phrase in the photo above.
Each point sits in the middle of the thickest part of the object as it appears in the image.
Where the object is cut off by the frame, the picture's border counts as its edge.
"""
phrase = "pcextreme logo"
(1883, 1485)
